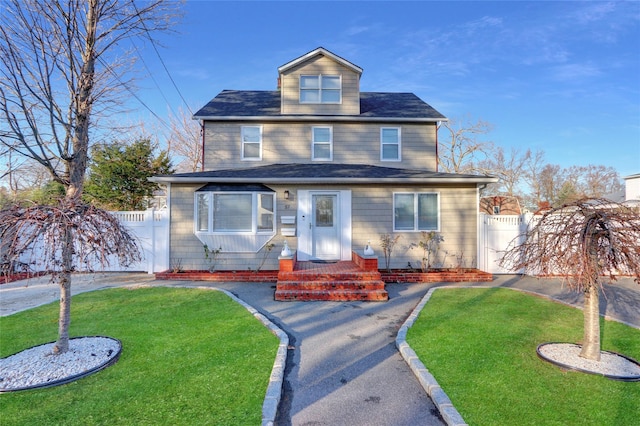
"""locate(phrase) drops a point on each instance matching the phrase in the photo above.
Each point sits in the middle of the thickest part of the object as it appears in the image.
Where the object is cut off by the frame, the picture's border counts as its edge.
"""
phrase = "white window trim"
(313, 143)
(399, 144)
(242, 145)
(254, 214)
(415, 211)
(319, 76)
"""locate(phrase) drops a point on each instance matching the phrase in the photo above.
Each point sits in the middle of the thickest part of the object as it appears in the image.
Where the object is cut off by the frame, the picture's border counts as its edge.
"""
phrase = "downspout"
(167, 229)
(438, 124)
(481, 254)
(202, 132)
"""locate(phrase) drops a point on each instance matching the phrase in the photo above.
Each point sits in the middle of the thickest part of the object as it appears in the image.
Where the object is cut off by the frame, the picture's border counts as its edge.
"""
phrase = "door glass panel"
(324, 210)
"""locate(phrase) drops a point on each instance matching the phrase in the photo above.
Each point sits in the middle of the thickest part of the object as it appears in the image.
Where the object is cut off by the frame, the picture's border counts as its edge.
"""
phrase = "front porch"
(355, 280)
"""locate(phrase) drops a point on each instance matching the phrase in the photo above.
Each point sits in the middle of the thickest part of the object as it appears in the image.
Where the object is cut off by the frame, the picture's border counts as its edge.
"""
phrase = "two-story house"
(324, 166)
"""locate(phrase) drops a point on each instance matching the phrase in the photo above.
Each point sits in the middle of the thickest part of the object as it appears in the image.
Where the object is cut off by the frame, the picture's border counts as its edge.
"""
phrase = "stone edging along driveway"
(449, 413)
(274, 389)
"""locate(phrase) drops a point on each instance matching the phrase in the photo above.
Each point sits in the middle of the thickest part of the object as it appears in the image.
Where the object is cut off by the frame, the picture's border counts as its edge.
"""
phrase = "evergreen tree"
(118, 174)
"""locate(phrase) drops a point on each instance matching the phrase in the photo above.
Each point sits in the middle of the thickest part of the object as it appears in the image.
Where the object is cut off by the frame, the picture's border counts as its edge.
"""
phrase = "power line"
(153, 78)
(146, 30)
(128, 89)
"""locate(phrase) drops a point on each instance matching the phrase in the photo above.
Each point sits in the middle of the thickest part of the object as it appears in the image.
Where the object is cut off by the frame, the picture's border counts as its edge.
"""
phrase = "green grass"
(480, 344)
(189, 357)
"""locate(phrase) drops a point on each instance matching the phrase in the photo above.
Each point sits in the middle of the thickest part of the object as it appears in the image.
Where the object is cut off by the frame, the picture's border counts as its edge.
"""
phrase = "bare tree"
(42, 233)
(599, 181)
(460, 150)
(62, 66)
(583, 242)
(550, 179)
(509, 168)
(185, 141)
(532, 178)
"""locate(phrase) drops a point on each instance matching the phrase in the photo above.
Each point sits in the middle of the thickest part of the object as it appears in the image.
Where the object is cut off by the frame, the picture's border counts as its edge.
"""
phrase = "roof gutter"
(320, 118)
(325, 180)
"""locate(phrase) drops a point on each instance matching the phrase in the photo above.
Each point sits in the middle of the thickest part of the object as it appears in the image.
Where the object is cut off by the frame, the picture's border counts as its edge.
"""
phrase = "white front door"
(325, 227)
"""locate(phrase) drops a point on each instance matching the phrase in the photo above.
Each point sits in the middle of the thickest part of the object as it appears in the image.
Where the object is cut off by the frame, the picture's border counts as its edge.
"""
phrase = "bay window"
(234, 212)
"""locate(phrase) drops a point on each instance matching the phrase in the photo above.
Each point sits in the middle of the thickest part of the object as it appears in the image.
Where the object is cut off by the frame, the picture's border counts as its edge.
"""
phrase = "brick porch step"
(332, 295)
(350, 285)
(343, 281)
(329, 276)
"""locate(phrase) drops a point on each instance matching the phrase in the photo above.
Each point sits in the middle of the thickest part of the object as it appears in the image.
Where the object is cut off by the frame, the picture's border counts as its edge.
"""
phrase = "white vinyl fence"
(495, 233)
(151, 231)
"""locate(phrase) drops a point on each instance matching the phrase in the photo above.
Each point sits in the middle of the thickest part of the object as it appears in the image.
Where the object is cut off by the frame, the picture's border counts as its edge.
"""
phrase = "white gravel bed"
(38, 366)
(610, 364)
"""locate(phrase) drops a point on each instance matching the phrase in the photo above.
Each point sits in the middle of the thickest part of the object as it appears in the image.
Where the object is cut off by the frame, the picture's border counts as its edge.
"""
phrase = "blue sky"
(562, 77)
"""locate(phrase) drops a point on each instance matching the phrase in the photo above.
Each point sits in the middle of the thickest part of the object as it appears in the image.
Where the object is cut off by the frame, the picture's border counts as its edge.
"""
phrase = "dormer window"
(320, 89)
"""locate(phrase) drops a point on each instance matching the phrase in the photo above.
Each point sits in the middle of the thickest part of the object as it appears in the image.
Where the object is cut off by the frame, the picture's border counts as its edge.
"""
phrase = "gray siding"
(353, 143)
(189, 250)
(372, 216)
(372, 211)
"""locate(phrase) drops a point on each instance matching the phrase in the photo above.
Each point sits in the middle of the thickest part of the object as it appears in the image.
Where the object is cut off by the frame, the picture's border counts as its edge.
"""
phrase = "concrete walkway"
(342, 367)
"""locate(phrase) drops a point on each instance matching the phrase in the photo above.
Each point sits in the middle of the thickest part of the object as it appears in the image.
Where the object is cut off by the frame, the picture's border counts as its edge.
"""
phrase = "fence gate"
(151, 230)
(495, 234)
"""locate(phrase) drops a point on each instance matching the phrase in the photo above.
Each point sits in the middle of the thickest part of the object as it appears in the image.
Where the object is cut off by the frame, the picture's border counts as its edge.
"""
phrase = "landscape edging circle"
(112, 360)
(584, 370)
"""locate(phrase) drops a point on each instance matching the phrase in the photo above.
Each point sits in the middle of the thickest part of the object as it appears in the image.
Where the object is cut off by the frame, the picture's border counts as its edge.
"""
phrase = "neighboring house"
(500, 205)
(322, 165)
(632, 187)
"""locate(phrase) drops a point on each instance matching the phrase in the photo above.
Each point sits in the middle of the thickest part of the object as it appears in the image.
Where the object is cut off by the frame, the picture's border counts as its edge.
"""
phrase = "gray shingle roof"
(261, 103)
(323, 173)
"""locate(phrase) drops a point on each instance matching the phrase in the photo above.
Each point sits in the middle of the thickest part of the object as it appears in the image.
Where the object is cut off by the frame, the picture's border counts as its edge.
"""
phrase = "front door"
(325, 227)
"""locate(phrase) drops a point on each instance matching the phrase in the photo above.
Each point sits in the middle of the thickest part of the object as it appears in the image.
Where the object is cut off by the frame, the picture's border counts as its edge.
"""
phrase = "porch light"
(287, 195)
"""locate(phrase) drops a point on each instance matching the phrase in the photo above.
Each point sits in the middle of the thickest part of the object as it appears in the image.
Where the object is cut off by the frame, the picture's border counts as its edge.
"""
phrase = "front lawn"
(480, 345)
(188, 357)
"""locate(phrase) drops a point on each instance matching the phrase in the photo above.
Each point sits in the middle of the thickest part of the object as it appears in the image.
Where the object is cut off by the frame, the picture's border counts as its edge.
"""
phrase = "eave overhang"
(319, 118)
(325, 180)
(318, 52)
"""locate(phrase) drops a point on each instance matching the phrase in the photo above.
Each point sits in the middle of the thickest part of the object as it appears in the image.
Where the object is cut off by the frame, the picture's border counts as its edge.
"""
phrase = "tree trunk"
(63, 279)
(591, 343)
(76, 167)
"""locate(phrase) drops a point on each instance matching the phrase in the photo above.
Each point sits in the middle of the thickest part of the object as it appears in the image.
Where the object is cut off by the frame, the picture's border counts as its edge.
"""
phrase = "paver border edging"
(442, 402)
(274, 389)
(444, 405)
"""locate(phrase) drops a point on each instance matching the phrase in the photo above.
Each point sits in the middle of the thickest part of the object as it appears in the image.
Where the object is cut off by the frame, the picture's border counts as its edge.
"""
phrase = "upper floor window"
(251, 142)
(320, 89)
(416, 211)
(390, 144)
(322, 143)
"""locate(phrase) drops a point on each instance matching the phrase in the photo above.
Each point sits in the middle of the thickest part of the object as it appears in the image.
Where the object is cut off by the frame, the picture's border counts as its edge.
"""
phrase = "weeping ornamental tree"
(63, 67)
(586, 242)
